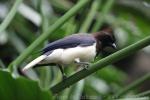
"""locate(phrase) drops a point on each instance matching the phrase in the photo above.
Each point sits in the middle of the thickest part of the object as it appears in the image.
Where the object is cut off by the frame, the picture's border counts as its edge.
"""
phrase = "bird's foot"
(86, 65)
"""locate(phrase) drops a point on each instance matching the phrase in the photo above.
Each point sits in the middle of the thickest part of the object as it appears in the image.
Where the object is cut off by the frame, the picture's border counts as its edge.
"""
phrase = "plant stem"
(85, 26)
(2, 64)
(101, 64)
(45, 35)
(102, 15)
(45, 72)
(10, 16)
(63, 5)
(132, 85)
(145, 93)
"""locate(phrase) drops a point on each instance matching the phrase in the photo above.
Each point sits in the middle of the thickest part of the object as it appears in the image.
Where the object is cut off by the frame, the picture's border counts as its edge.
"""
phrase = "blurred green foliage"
(130, 21)
(20, 89)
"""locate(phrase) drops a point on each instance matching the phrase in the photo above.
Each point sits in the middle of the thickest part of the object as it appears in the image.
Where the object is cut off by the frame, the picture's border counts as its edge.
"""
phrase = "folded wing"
(70, 41)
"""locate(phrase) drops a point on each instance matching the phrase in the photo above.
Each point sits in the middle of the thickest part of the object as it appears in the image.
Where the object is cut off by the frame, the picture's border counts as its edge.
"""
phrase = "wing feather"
(70, 41)
(34, 62)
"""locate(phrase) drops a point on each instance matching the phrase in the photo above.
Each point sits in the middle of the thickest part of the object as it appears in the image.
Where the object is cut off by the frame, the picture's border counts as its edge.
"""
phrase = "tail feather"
(34, 62)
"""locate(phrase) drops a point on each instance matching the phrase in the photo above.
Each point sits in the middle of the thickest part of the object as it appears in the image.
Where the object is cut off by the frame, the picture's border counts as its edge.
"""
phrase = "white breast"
(67, 56)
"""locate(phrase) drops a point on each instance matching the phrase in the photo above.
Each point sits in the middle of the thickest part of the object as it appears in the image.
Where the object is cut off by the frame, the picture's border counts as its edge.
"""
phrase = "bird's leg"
(85, 64)
(62, 72)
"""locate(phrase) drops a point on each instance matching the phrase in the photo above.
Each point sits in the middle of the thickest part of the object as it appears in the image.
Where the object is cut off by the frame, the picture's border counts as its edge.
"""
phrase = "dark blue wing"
(70, 41)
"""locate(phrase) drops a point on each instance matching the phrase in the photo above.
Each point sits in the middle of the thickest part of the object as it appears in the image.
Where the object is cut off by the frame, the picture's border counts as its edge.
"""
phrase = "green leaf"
(20, 89)
(77, 89)
(109, 73)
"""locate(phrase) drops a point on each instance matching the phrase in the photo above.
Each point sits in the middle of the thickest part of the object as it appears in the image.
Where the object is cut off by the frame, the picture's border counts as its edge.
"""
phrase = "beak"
(114, 46)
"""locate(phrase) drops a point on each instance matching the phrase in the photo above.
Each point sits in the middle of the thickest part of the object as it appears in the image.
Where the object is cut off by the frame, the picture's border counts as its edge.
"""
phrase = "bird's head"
(105, 39)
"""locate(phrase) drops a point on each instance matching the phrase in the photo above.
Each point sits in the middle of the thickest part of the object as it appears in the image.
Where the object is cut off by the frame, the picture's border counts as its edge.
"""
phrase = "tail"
(34, 62)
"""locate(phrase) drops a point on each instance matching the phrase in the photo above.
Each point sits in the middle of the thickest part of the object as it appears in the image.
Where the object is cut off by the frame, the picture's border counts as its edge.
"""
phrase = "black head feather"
(105, 39)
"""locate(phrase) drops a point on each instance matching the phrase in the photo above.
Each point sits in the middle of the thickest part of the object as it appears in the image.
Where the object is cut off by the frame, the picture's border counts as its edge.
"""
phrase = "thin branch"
(10, 16)
(2, 64)
(95, 5)
(102, 15)
(145, 93)
(101, 64)
(45, 35)
(132, 85)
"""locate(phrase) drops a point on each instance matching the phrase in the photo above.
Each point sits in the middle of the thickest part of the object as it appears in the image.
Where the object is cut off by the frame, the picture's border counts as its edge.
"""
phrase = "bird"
(79, 49)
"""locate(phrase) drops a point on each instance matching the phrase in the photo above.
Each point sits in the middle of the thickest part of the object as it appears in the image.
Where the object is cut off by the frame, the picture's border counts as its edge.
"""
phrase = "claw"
(86, 66)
